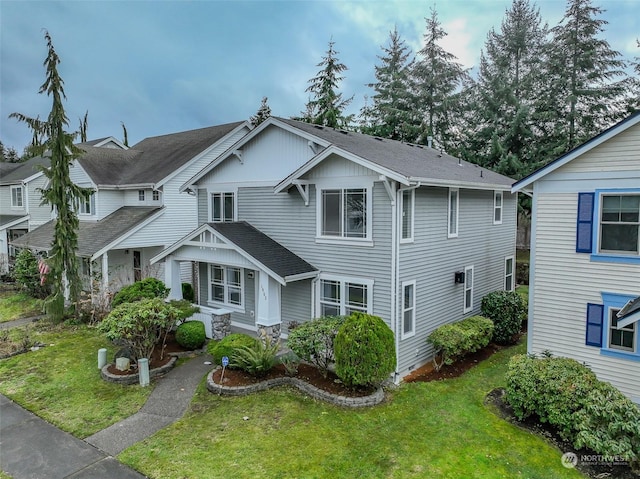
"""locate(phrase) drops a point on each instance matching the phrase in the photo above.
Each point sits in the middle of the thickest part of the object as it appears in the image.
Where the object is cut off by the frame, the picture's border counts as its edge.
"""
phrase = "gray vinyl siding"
(433, 258)
(296, 302)
(203, 206)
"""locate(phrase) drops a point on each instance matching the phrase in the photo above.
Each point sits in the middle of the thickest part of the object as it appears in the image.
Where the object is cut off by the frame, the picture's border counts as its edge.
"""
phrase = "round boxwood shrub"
(227, 345)
(191, 335)
(146, 288)
(365, 351)
(507, 310)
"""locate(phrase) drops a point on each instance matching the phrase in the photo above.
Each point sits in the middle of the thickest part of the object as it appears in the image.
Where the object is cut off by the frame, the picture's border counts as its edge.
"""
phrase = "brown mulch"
(306, 372)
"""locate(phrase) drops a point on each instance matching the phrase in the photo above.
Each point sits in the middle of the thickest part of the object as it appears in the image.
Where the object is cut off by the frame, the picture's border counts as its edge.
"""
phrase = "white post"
(268, 300)
(105, 273)
(102, 357)
(172, 277)
(143, 371)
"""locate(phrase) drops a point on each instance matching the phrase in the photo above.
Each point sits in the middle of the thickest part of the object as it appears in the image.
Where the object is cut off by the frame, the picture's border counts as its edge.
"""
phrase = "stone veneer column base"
(220, 325)
(272, 332)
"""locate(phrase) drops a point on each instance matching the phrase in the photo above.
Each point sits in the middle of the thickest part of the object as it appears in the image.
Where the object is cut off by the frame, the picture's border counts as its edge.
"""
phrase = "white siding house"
(585, 255)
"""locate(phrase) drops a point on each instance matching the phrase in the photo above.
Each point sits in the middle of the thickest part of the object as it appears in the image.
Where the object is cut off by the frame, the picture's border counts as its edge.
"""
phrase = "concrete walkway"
(19, 322)
(31, 448)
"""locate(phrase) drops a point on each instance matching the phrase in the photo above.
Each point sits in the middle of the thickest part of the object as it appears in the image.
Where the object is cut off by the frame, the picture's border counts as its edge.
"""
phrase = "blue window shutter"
(584, 237)
(595, 313)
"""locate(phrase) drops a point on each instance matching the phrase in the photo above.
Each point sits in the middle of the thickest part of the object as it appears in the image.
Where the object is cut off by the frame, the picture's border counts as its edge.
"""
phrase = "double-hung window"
(344, 213)
(222, 207)
(87, 205)
(620, 224)
(155, 195)
(17, 199)
(621, 337)
(339, 297)
(225, 285)
(468, 289)
(141, 196)
(497, 207)
(454, 196)
(408, 309)
(508, 273)
(407, 210)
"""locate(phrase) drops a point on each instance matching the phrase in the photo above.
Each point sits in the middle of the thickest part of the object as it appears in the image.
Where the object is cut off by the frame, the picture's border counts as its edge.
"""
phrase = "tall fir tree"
(263, 113)
(84, 126)
(585, 79)
(61, 193)
(391, 114)
(326, 105)
(437, 77)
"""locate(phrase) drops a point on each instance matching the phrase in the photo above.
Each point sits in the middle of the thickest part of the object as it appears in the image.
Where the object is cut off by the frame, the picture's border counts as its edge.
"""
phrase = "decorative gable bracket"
(390, 186)
(238, 154)
(303, 188)
(314, 147)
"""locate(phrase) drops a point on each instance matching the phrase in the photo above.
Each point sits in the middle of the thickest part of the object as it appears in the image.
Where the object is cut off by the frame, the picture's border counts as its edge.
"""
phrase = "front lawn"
(61, 382)
(437, 430)
(15, 305)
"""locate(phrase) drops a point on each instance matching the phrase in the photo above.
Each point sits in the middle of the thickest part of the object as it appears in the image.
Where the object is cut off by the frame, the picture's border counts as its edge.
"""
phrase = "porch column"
(105, 273)
(172, 277)
(268, 317)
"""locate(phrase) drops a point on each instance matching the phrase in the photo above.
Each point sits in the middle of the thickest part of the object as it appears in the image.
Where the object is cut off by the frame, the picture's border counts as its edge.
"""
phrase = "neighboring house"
(136, 210)
(299, 221)
(20, 208)
(585, 256)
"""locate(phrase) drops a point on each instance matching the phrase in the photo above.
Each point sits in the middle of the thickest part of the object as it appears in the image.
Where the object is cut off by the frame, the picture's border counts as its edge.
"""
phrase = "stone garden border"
(353, 402)
(135, 378)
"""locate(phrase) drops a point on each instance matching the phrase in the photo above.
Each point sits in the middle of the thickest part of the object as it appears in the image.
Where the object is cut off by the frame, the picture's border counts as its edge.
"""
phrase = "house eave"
(302, 276)
(460, 184)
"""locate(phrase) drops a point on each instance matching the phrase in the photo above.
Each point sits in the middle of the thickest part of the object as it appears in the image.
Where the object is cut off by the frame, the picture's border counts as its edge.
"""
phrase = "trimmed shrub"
(228, 345)
(146, 288)
(454, 340)
(566, 394)
(187, 292)
(26, 273)
(507, 310)
(191, 335)
(364, 350)
(313, 341)
(141, 325)
(257, 359)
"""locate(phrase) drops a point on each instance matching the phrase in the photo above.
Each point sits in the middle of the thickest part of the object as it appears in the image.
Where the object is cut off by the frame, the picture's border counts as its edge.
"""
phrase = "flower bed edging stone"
(135, 378)
(363, 401)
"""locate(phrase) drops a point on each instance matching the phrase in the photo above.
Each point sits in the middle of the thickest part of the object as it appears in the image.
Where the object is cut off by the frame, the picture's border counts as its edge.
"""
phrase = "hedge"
(191, 335)
(454, 340)
(228, 345)
(507, 310)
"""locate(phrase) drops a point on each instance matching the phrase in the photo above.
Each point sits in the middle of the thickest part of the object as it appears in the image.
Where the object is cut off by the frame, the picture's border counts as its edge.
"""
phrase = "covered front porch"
(242, 275)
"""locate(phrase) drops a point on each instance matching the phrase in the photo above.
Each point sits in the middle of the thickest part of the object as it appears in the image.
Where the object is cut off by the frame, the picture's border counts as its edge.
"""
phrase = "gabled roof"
(103, 142)
(25, 171)
(630, 313)
(92, 236)
(576, 152)
(258, 248)
(7, 221)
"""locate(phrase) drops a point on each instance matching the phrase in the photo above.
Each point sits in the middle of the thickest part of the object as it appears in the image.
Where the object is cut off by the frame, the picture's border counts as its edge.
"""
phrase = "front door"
(137, 266)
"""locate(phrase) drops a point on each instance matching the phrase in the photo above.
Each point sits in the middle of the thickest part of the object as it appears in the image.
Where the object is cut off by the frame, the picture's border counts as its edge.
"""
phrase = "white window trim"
(210, 194)
(143, 194)
(343, 280)
(411, 308)
(212, 302)
(468, 270)
(457, 192)
(512, 273)
(21, 189)
(155, 193)
(412, 199)
(496, 208)
(368, 239)
(597, 227)
(620, 349)
(92, 206)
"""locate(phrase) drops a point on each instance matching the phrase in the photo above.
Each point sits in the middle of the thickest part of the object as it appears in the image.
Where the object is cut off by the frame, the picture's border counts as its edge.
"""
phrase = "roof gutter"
(134, 186)
(461, 184)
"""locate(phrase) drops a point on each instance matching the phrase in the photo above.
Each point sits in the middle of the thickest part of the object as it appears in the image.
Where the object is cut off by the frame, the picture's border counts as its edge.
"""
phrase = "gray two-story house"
(299, 221)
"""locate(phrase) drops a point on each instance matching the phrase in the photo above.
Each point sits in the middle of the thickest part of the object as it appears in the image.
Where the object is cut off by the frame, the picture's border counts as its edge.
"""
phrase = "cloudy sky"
(168, 66)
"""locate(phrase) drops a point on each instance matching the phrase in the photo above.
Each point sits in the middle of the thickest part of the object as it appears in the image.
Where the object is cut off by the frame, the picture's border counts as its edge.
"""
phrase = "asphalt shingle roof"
(25, 170)
(413, 161)
(264, 249)
(92, 236)
(6, 219)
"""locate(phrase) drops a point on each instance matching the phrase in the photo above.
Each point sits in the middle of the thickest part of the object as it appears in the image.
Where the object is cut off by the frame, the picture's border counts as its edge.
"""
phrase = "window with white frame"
(497, 207)
(453, 212)
(342, 297)
(468, 289)
(408, 309)
(17, 197)
(155, 195)
(344, 213)
(509, 264)
(87, 205)
(620, 224)
(222, 207)
(225, 284)
(140, 195)
(622, 338)
(408, 202)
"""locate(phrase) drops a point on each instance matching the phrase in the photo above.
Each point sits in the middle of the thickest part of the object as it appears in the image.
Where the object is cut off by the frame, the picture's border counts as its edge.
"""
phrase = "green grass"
(61, 382)
(523, 290)
(15, 305)
(435, 430)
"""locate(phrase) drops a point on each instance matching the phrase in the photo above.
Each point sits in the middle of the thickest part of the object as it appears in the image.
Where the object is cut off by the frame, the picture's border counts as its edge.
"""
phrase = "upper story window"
(87, 205)
(620, 223)
(454, 196)
(408, 202)
(225, 285)
(222, 207)
(155, 195)
(140, 195)
(497, 207)
(344, 213)
(339, 296)
(508, 273)
(622, 338)
(17, 197)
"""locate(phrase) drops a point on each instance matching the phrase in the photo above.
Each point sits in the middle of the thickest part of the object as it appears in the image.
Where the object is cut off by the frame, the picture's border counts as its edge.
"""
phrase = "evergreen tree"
(38, 134)
(62, 194)
(125, 137)
(262, 114)
(326, 105)
(586, 82)
(392, 113)
(437, 77)
(633, 103)
(84, 125)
